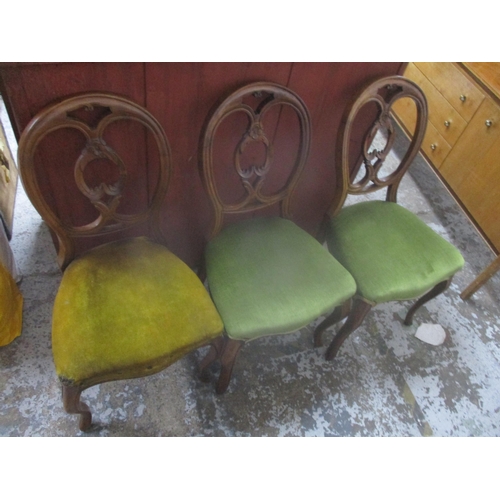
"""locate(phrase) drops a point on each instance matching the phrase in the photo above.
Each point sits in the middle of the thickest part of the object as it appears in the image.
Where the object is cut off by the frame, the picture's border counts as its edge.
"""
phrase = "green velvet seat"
(267, 276)
(391, 253)
(129, 306)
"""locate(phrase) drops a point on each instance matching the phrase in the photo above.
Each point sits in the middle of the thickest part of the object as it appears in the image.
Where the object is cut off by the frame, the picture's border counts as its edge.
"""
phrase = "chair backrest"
(98, 171)
(376, 100)
(262, 128)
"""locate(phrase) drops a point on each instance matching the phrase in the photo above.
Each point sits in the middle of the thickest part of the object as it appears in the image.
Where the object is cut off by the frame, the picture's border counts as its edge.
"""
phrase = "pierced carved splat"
(373, 158)
(368, 177)
(90, 114)
(105, 198)
(253, 177)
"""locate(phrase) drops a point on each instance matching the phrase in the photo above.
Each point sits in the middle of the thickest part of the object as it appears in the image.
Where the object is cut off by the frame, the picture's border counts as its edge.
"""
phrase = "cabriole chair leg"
(358, 312)
(216, 348)
(439, 288)
(227, 359)
(72, 404)
(338, 314)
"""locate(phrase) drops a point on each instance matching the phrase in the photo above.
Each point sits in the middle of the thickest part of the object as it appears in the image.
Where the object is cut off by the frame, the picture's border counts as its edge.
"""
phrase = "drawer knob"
(488, 123)
(447, 123)
(463, 98)
(433, 147)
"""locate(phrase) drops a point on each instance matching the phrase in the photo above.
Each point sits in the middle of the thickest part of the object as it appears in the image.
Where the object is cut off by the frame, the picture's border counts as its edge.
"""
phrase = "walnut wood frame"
(60, 115)
(255, 199)
(225, 350)
(384, 93)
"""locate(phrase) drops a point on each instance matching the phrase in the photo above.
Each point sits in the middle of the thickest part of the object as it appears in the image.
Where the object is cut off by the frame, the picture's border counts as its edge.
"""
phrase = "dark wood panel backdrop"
(180, 95)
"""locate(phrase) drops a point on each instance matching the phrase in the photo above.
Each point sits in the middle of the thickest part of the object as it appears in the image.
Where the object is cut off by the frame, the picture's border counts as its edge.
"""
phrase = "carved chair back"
(266, 124)
(92, 115)
(383, 94)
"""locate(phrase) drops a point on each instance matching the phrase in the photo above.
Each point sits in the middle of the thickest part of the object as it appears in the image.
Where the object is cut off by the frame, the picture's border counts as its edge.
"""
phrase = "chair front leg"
(338, 314)
(439, 288)
(72, 404)
(358, 312)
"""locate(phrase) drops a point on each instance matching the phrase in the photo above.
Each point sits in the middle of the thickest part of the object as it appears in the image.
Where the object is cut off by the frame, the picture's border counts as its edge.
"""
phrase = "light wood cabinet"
(462, 142)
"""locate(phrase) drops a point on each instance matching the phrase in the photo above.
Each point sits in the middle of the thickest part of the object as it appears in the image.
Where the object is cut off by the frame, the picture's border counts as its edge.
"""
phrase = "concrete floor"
(384, 381)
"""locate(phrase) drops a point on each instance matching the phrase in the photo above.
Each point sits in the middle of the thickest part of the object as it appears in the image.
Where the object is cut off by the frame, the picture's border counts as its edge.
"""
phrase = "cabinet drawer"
(442, 114)
(458, 90)
(467, 155)
(434, 145)
(472, 169)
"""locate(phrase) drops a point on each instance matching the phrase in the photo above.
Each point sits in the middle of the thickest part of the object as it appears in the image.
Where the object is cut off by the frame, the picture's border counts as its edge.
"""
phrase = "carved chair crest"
(105, 197)
(253, 177)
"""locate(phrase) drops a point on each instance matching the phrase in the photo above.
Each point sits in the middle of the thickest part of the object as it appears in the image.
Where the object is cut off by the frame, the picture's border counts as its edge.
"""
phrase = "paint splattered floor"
(384, 382)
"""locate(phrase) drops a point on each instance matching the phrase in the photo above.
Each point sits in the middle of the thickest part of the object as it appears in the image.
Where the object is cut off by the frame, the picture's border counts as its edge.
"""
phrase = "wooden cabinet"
(463, 138)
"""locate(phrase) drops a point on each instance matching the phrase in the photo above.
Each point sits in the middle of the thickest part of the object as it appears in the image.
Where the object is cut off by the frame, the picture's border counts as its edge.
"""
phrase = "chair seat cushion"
(267, 276)
(128, 307)
(392, 254)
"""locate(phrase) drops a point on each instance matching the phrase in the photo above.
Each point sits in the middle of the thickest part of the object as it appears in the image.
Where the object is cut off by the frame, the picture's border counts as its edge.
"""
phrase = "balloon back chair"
(266, 275)
(392, 254)
(127, 307)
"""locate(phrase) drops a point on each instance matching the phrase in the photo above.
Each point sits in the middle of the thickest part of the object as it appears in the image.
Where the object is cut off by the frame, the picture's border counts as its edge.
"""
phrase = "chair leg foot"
(358, 312)
(439, 288)
(72, 405)
(227, 359)
(338, 314)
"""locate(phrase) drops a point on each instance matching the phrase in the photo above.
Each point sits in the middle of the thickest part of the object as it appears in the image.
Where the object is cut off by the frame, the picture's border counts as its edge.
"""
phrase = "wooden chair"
(266, 275)
(128, 307)
(391, 253)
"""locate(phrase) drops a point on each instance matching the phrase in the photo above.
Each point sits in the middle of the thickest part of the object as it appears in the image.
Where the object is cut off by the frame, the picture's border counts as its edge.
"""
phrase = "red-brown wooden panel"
(180, 96)
(29, 88)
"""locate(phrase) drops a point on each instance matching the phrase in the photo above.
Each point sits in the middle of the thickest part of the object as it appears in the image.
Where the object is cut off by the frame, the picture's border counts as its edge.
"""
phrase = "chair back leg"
(213, 355)
(358, 312)
(227, 359)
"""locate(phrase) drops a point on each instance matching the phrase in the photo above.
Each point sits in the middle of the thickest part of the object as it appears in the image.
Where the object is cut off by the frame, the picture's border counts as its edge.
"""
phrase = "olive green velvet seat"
(267, 276)
(390, 252)
(130, 306)
(97, 166)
